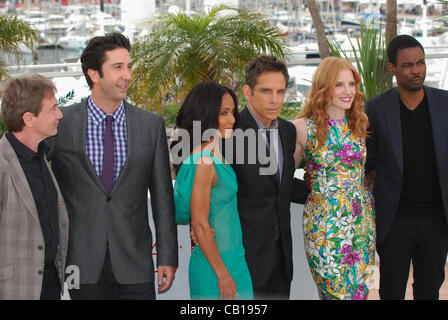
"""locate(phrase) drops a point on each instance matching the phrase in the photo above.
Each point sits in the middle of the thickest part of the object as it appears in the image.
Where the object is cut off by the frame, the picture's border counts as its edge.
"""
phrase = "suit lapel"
(393, 120)
(18, 178)
(285, 147)
(81, 143)
(131, 137)
(248, 122)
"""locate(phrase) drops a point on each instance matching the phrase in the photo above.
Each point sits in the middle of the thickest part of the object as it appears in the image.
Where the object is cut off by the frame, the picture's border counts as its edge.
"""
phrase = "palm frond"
(13, 33)
(369, 52)
(182, 50)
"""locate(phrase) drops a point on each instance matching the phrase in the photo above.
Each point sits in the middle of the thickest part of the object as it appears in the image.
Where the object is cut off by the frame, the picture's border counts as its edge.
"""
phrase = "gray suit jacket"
(21, 239)
(385, 151)
(118, 219)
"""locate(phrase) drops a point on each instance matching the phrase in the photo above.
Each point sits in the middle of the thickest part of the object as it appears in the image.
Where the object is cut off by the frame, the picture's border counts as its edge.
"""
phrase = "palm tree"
(13, 33)
(391, 32)
(391, 20)
(322, 41)
(182, 50)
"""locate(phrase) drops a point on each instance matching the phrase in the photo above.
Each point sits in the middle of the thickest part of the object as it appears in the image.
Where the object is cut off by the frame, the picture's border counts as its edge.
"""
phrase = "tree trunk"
(391, 20)
(324, 49)
(391, 32)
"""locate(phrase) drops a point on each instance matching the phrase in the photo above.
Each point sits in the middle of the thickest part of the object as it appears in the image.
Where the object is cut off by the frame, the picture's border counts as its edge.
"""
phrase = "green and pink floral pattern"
(339, 216)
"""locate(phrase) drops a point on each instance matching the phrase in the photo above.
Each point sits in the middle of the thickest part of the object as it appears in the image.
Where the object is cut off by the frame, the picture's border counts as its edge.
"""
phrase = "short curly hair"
(398, 43)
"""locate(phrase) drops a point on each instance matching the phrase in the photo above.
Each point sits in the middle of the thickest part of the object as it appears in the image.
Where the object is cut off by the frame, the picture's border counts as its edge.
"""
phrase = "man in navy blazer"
(408, 149)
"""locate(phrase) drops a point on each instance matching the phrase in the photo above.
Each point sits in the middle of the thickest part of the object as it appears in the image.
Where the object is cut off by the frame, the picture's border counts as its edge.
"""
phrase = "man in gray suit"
(408, 148)
(33, 217)
(106, 157)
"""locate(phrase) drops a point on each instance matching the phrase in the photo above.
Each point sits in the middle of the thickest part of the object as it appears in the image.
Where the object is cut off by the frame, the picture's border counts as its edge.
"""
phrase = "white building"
(213, 3)
(135, 12)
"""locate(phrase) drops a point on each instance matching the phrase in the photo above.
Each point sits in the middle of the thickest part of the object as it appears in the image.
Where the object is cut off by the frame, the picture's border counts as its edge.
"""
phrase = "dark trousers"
(277, 287)
(107, 288)
(51, 284)
(422, 240)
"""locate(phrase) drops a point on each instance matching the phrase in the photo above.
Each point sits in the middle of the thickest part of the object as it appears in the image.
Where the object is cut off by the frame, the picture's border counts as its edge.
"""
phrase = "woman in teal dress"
(205, 194)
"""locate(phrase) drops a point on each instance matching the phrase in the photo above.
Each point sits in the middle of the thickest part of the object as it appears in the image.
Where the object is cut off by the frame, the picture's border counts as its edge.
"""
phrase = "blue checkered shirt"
(96, 124)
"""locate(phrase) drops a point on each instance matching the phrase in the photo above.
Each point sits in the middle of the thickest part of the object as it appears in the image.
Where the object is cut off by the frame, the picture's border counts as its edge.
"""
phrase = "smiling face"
(342, 94)
(111, 88)
(45, 124)
(226, 118)
(266, 98)
(410, 70)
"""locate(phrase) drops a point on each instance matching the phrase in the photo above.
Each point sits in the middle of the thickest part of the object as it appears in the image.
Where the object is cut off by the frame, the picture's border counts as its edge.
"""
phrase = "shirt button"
(40, 247)
(40, 272)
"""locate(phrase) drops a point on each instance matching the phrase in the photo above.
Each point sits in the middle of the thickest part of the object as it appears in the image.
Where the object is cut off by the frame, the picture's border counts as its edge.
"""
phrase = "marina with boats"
(65, 26)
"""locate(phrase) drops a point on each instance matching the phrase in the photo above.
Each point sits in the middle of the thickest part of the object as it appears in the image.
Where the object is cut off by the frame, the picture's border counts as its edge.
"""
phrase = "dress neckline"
(332, 123)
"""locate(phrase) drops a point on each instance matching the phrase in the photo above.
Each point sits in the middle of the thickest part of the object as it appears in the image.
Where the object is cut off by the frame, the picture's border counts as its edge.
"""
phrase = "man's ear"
(391, 69)
(28, 119)
(247, 91)
(94, 75)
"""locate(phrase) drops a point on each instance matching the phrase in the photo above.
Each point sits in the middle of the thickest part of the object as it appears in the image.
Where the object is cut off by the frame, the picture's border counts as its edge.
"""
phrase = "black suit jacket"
(263, 204)
(385, 151)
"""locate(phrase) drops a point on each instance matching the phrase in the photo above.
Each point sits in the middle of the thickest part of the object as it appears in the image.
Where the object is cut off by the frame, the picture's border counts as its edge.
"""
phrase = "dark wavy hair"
(203, 103)
(94, 54)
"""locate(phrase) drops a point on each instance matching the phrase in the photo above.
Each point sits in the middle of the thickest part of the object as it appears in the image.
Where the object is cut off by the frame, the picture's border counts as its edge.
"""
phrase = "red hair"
(319, 99)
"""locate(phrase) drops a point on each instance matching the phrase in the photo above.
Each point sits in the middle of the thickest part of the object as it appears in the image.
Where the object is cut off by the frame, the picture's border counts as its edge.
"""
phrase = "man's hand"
(308, 178)
(370, 180)
(166, 277)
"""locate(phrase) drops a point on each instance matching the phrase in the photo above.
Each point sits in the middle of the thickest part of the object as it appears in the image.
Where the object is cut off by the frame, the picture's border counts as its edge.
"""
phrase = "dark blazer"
(118, 219)
(385, 151)
(263, 205)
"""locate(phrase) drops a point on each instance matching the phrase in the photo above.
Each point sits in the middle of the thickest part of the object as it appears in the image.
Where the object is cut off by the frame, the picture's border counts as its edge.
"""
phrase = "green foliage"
(63, 100)
(290, 110)
(370, 53)
(181, 51)
(2, 127)
(170, 112)
(13, 33)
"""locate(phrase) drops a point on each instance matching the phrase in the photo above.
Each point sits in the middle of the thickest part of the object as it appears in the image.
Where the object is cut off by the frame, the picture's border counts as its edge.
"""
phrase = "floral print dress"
(339, 217)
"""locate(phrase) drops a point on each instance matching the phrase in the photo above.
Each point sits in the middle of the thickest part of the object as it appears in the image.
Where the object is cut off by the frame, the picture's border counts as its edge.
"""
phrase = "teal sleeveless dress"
(224, 219)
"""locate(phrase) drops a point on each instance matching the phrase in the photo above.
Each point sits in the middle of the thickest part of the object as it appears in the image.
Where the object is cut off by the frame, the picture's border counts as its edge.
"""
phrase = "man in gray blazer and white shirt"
(33, 217)
(106, 157)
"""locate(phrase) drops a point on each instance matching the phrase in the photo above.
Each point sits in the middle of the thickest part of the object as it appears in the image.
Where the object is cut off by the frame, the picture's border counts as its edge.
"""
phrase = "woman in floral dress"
(338, 218)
